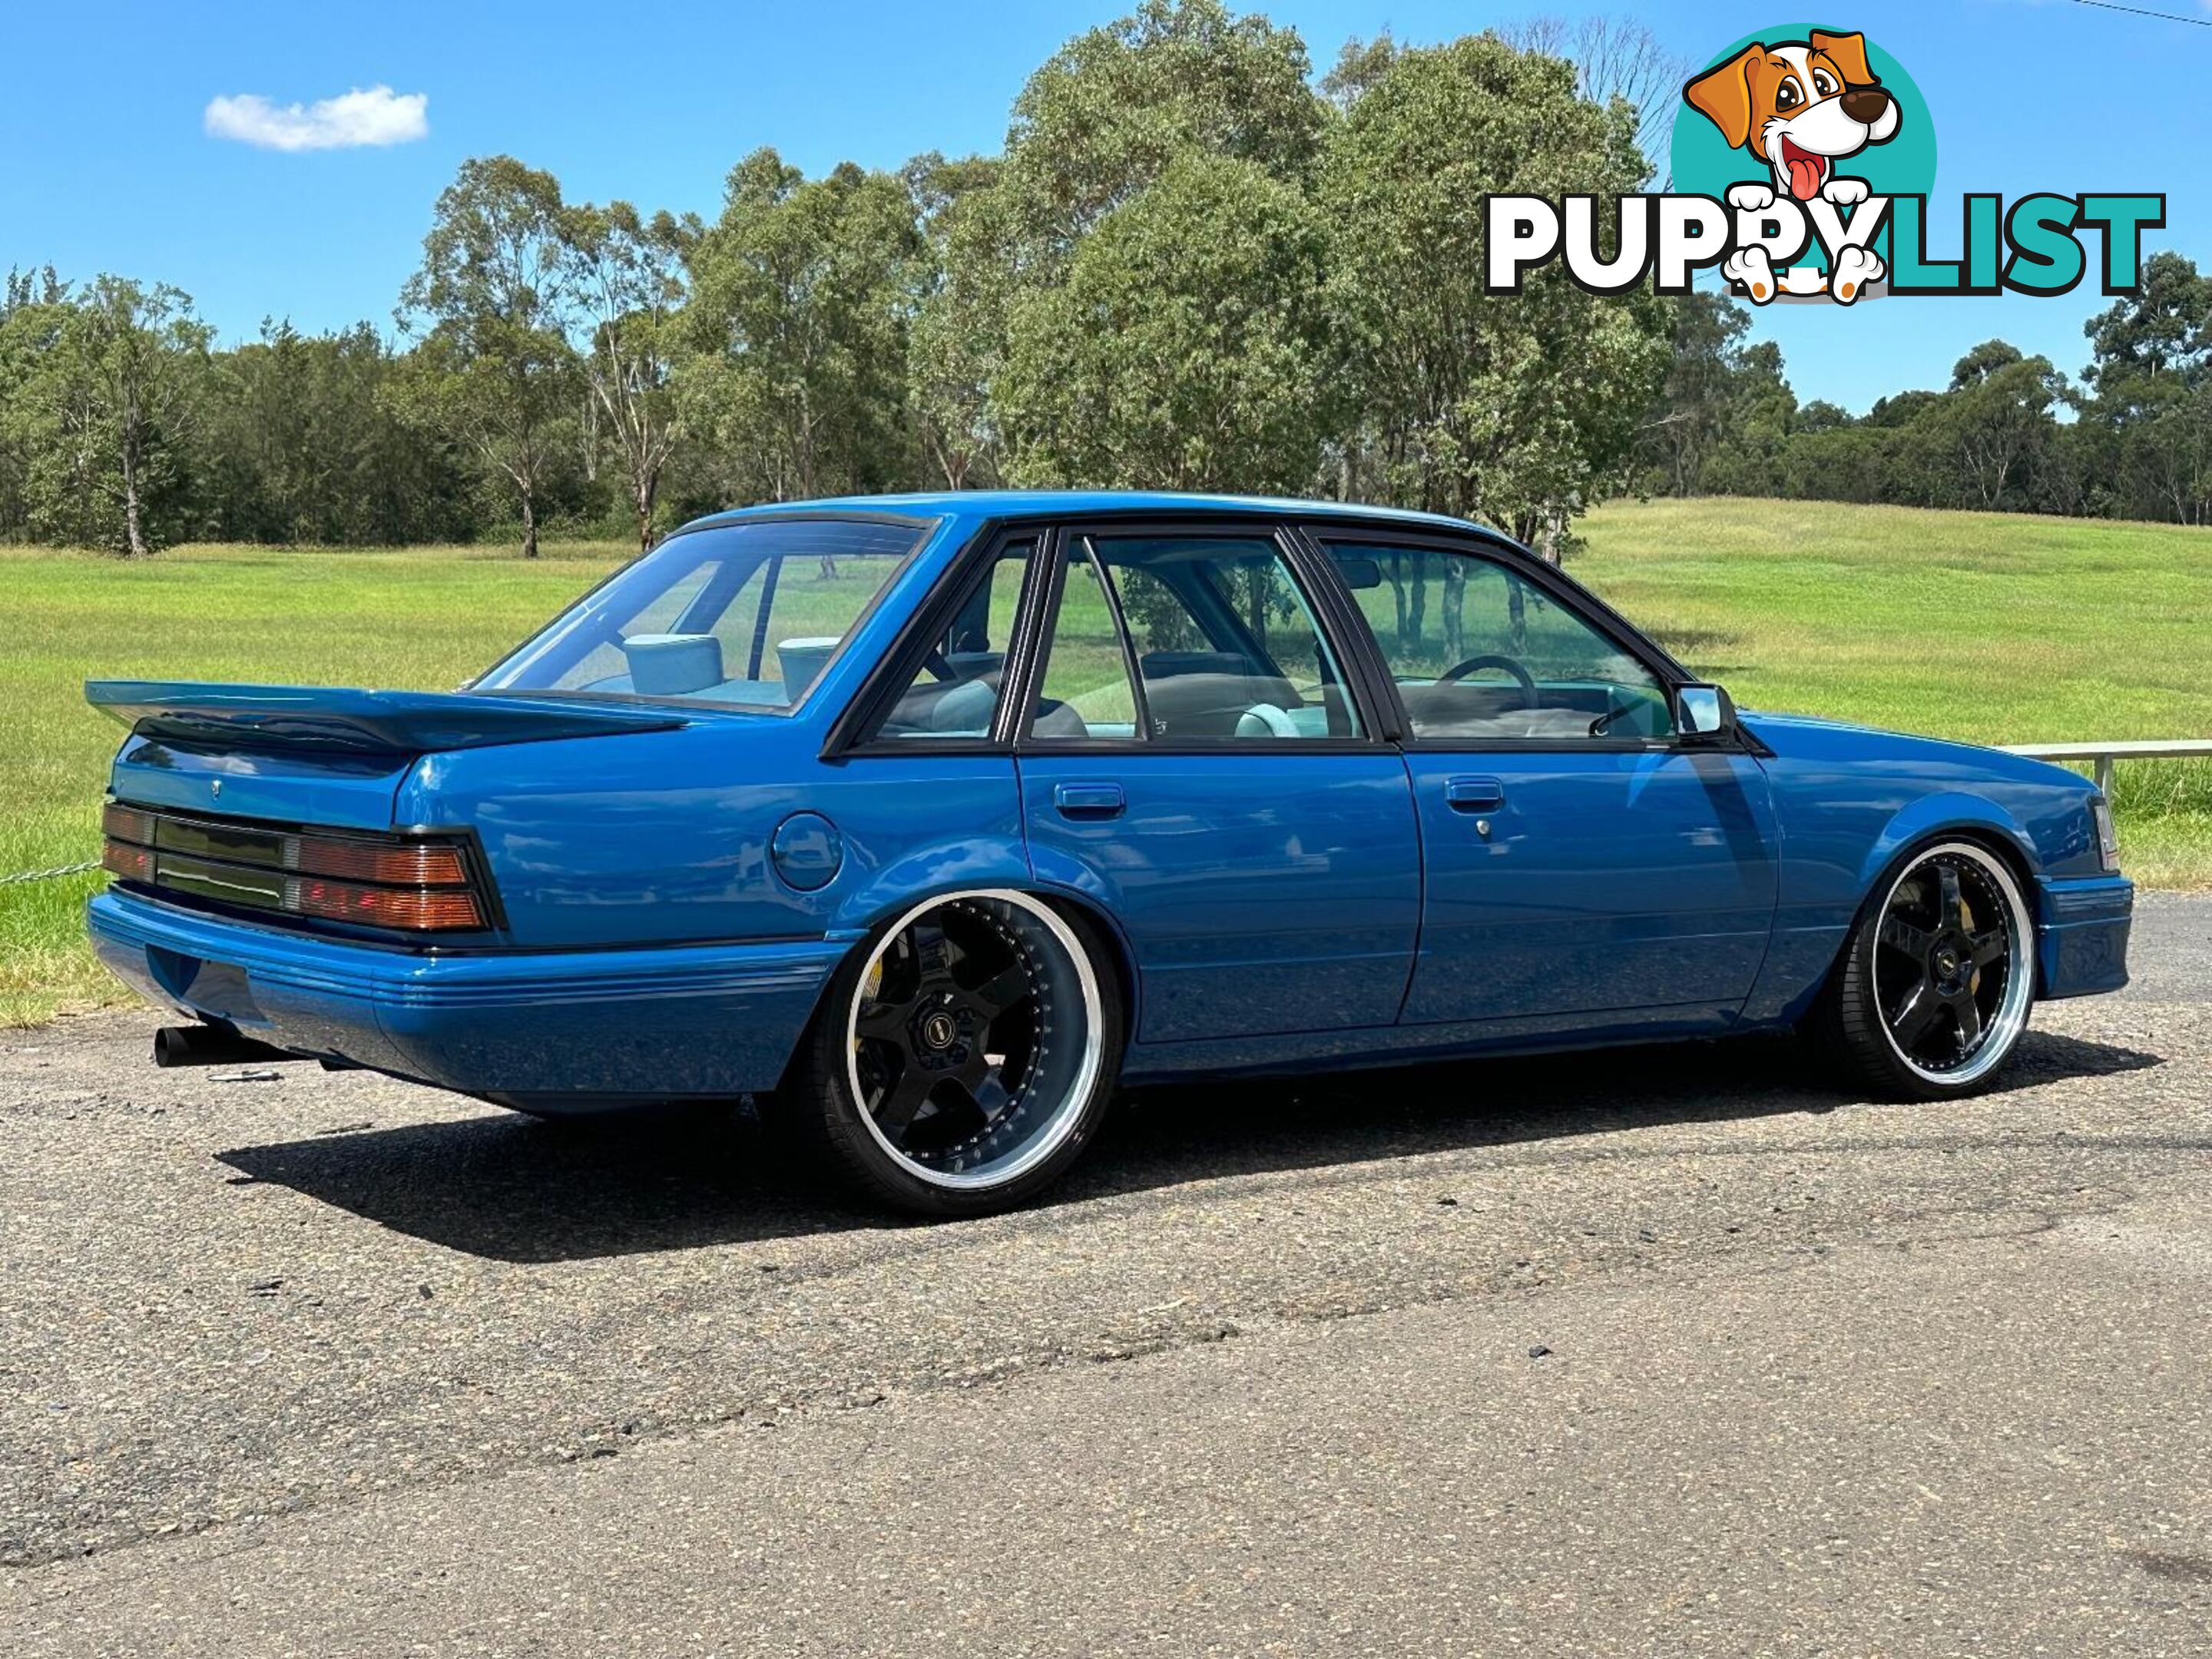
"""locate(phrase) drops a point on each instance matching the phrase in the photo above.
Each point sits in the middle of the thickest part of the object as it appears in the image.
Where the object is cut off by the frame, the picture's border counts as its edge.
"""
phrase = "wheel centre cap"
(939, 1030)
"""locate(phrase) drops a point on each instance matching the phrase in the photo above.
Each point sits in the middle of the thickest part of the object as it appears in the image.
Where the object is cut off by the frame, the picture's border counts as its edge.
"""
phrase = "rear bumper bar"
(589, 1025)
(2082, 940)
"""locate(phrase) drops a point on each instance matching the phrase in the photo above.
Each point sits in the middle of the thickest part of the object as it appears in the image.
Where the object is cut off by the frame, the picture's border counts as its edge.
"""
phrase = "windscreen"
(745, 615)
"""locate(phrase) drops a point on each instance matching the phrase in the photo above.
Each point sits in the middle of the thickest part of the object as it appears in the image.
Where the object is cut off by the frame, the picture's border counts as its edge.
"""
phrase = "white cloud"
(377, 116)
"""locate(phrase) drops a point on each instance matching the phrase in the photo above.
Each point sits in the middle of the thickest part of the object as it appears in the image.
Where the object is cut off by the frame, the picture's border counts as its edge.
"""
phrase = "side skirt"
(1400, 1045)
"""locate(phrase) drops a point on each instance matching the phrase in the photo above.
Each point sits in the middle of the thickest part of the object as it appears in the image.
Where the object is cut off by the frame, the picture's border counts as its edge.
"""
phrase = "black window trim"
(1301, 537)
(1318, 533)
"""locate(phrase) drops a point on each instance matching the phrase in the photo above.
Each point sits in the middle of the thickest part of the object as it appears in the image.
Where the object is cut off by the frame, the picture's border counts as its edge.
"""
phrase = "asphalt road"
(1661, 1352)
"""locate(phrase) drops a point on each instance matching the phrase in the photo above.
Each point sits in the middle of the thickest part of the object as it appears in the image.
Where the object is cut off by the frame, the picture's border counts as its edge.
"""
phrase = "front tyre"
(1933, 991)
(962, 1061)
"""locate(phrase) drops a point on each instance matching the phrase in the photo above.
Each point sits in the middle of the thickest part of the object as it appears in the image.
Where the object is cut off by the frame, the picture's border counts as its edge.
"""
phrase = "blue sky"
(109, 167)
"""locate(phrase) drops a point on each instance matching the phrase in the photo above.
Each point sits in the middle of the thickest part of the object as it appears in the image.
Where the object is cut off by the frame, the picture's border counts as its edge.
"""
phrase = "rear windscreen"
(745, 615)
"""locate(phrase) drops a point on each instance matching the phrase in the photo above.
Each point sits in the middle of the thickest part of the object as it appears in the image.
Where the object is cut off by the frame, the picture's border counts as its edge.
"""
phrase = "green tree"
(108, 396)
(2163, 448)
(958, 342)
(1095, 133)
(1699, 398)
(1107, 114)
(1762, 412)
(1187, 347)
(2164, 329)
(627, 274)
(298, 442)
(495, 368)
(33, 306)
(1821, 415)
(1520, 408)
(802, 295)
(1996, 419)
(2145, 429)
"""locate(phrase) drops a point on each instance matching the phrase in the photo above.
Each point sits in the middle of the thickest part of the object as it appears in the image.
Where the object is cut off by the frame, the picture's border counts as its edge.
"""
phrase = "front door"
(1581, 859)
(1193, 759)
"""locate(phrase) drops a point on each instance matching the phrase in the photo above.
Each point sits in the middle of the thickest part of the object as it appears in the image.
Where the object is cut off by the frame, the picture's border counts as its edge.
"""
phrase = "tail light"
(413, 908)
(132, 863)
(420, 864)
(406, 884)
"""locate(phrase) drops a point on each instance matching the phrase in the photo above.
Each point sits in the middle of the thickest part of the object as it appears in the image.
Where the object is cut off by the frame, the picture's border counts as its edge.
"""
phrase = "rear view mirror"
(1704, 711)
(1358, 572)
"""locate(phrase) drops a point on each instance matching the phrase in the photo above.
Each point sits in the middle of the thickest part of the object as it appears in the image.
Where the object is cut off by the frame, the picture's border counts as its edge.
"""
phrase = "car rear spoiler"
(297, 717)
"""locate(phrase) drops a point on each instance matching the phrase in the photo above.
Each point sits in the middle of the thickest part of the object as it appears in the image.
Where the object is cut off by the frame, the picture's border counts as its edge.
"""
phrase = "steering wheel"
(1476, 665)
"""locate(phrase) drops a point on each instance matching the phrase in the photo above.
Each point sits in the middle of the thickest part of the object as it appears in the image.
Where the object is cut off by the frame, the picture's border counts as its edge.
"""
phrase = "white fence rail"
(2104, 754)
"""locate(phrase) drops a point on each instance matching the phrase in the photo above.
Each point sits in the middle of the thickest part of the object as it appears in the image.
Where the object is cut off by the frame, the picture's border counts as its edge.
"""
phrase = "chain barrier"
(54, 874)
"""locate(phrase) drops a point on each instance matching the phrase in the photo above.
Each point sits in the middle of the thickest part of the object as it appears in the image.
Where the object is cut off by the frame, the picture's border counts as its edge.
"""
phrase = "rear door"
(1581, 858)
(1193, 756)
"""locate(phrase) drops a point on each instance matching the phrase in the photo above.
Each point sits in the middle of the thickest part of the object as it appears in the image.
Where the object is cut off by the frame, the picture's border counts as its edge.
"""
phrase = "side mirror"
(1704, 711)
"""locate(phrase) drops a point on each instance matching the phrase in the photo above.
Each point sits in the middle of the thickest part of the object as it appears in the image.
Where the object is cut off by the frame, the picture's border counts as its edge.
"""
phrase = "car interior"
(1217, 628)
(1479, 653)
(1209, 674)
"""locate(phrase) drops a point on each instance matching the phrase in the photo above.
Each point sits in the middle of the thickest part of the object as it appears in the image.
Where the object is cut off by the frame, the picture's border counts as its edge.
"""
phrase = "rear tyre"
(1933, 991)
(960, 1062)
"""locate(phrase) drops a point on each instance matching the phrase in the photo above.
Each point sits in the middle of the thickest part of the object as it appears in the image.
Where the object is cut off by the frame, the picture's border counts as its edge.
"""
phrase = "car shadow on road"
(1167, 1134)
(513, 1189)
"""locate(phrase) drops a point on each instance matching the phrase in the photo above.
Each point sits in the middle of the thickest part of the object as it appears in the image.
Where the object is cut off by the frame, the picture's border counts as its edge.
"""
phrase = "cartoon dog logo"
(1800, 106)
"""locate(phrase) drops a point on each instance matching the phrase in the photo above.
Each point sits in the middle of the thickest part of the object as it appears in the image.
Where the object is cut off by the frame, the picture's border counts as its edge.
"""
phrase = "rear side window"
(745, 615)
(955, 693)
(1187, 639)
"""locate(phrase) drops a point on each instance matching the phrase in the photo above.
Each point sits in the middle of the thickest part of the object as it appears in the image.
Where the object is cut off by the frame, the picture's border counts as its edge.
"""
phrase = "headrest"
(965, 708)
(1264, 720)
(672, 665)
(1168, 664)
(802, 660)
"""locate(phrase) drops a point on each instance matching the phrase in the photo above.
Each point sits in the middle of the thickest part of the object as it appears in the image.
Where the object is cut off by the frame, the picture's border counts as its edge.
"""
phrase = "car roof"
(1035, 503)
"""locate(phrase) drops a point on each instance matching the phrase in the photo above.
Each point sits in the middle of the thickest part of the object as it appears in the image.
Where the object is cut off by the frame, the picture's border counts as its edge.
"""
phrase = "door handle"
(1089, 800)
(1474, 794)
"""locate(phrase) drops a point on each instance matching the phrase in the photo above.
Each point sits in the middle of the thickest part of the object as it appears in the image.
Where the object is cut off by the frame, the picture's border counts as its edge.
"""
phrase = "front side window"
(1186, 639)
(1479, 653)
(745, 615)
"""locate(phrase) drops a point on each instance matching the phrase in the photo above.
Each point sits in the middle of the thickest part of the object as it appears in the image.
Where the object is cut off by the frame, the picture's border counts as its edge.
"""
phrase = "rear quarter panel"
(663, 838)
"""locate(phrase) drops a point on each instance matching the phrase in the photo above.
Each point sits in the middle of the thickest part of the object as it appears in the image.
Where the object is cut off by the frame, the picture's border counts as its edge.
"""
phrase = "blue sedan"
(927, 819)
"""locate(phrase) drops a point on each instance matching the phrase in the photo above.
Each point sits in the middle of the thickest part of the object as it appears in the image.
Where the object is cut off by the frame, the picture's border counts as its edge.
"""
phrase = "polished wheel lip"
(1065, 1115)
(2010, 1019)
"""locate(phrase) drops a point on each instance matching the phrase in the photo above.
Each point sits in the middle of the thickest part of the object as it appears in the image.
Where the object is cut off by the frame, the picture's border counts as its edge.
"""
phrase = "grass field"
(1996, 629)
